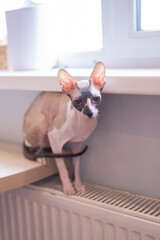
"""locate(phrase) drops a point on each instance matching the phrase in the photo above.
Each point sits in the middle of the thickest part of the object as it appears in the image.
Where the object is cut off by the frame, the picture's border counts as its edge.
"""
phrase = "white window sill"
(17, 171)
(119, 81)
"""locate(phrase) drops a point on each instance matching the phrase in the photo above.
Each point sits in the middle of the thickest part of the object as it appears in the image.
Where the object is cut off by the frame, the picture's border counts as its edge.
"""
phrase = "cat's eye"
(78, 101)
(96, 99)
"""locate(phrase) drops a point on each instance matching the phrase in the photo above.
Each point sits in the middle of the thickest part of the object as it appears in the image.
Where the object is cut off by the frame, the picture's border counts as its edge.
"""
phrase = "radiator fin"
(55, 222)
(123, 233)
(135, 235)
(29, 218)
(76, 226)
(46, 218)
(86, 228)
(110, 231)
(98, 229)
(65, 223)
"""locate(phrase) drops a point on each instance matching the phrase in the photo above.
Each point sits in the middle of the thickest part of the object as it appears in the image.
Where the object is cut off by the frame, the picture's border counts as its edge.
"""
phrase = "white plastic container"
(29, 38)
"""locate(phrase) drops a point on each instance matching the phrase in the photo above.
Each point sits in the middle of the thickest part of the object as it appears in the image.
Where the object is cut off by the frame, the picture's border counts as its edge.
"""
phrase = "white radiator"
(43, 212)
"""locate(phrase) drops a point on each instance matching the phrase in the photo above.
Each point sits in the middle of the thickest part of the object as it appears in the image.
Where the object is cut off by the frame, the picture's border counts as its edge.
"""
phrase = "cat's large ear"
(98, 75)
(67, 81)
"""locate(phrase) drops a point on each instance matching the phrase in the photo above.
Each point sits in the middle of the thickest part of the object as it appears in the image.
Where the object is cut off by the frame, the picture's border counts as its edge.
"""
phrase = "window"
(115, 32)
(148, 13)
(124, 46)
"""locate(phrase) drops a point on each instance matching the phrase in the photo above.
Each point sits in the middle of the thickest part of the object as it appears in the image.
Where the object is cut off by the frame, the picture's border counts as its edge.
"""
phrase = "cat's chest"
(75, 129)
(80, 130)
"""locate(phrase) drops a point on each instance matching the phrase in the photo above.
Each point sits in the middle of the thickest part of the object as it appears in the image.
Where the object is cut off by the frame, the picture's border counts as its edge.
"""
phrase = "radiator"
(42, 212)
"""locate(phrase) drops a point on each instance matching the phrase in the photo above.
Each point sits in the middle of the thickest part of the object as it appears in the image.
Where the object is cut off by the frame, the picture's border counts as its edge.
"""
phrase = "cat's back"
(47, 102)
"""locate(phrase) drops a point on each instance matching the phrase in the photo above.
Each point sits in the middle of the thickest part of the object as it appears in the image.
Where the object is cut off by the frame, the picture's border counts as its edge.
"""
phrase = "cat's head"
(85, 94)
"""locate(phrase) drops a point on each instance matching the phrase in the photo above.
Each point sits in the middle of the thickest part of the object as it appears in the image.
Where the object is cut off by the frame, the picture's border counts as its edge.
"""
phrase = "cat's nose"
(90, 115)
(87, 112)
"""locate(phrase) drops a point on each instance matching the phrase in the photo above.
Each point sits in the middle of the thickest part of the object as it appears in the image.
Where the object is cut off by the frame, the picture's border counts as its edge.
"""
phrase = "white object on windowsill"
(29, 38)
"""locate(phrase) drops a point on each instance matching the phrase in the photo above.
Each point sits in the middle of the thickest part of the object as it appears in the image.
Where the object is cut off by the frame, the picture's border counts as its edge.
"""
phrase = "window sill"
(16, 170)
(119, 81)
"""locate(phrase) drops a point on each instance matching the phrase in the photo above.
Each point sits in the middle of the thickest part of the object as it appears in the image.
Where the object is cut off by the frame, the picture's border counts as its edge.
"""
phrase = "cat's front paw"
(44, 161)
(68, 189)
(80, 188)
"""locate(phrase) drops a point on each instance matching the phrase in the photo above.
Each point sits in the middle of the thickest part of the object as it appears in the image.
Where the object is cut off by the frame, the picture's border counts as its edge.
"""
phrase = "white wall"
(124, 150)
(13, 105)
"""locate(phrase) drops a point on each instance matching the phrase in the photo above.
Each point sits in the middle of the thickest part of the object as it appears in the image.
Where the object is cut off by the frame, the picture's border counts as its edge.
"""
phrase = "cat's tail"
(33, 154)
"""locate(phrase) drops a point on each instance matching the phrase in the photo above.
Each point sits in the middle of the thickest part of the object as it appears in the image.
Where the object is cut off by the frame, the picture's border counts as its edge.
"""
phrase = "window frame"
(136, 23)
